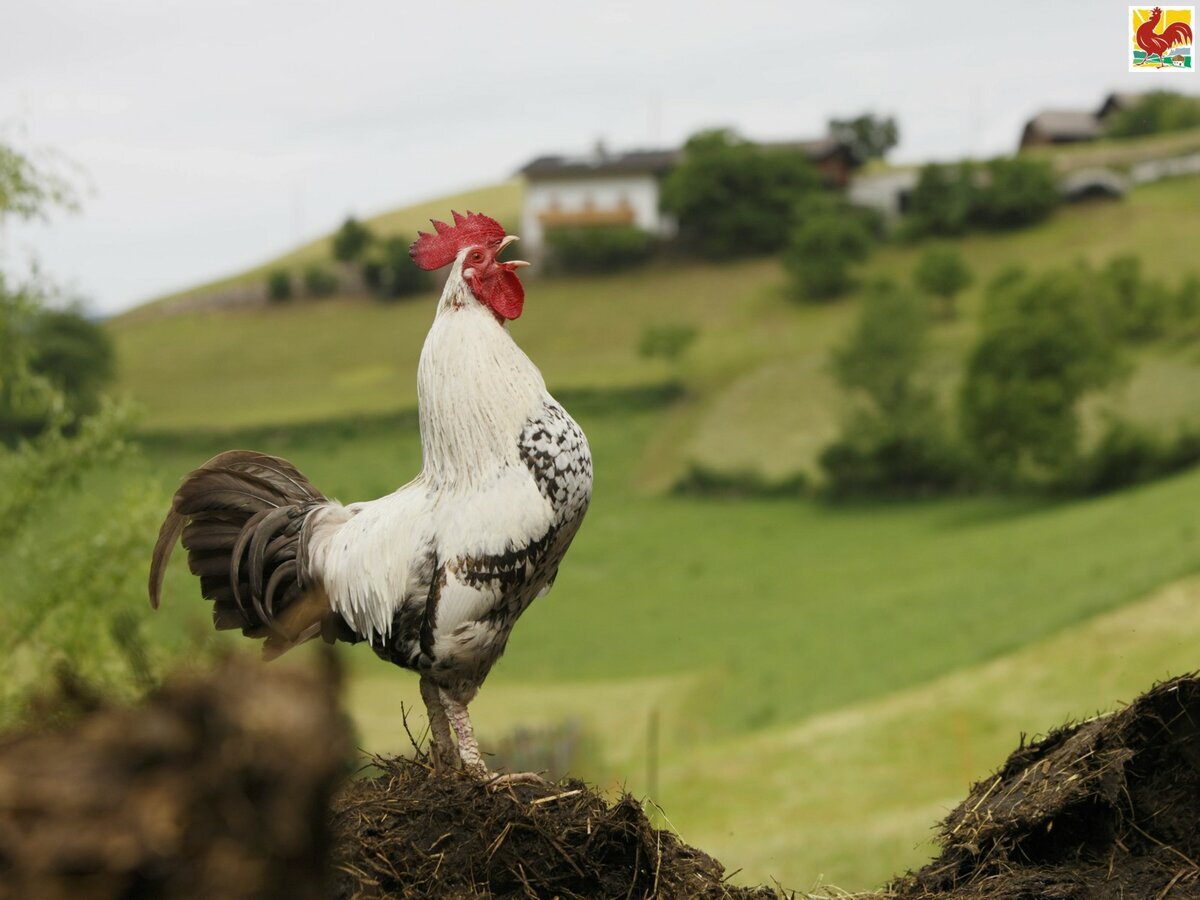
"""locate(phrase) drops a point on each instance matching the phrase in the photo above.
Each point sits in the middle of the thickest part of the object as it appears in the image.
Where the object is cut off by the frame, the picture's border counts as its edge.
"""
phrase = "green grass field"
(828, 679)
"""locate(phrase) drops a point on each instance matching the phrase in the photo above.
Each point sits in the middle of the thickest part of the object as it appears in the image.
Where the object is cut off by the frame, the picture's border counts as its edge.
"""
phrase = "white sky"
(218, 134)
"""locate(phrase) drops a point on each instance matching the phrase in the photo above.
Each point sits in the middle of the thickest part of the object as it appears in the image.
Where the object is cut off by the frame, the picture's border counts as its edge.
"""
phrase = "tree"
(75, 355)
(825, 245)
(351, 240)
(1013, 192)
(868, 136)
(733, 198)
(1043, 345)
(279, 285)
(1155, 113)
(391, 272)
(898, 441)
(940, 202)
(884, 352)
(942, 272)
(319, 281)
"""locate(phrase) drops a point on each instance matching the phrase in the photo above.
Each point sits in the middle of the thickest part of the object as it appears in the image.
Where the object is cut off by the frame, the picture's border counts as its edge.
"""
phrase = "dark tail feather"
(241, 516)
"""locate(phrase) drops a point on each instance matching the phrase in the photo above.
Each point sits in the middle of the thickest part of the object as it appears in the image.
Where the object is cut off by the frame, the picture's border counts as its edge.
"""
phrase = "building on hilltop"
(605, 188)
(1061, 127)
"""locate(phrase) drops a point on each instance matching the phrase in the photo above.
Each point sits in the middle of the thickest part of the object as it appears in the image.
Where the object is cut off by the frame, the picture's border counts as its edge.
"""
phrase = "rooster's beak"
(514, 263)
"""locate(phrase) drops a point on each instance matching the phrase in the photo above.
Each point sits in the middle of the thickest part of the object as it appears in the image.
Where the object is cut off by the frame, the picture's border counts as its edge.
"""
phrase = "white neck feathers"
(475, 389)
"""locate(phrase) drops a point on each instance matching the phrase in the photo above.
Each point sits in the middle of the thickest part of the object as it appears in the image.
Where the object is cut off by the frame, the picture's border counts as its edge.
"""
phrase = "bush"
(73, 354)
(940, 202)
(823, 249)
(877, 455)
(701, 481)
(601, 248)
(899, 443)
(1008, 192)
(1044, 343)
(868, 136)
(1155, 113)
(279, 285)
(391, 273)
(1140, 309)
(667, 342)
(733, 198)
(351, 240)
(1129, 454)
(1014, 192)
(943, 272)
(883, 354)
(319, 281)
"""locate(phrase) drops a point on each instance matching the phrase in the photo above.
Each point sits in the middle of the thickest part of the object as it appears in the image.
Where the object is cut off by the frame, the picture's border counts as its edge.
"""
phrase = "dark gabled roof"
(1116, 101)
(821, 148)
(651, 162)
(1064, 125)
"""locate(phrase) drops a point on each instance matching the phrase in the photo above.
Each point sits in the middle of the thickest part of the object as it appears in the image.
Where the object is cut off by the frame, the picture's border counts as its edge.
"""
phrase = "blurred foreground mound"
(217, 786)
(1108, 808)
(411, 834)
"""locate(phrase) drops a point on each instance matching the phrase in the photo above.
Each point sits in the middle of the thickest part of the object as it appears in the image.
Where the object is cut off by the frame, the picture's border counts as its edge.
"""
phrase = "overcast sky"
(215, 135)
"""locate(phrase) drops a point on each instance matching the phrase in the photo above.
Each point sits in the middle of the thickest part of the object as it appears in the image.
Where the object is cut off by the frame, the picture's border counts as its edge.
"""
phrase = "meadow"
(824, 681)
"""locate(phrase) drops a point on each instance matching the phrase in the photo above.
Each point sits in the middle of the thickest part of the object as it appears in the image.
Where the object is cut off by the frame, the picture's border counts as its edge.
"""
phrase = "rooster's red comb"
(432, 251)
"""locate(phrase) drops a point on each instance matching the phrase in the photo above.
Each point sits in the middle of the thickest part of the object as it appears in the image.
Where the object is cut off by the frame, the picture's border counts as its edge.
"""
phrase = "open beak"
(512, 263)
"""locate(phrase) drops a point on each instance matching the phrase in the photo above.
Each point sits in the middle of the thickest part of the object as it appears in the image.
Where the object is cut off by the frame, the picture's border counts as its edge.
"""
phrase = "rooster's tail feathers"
(244, 518)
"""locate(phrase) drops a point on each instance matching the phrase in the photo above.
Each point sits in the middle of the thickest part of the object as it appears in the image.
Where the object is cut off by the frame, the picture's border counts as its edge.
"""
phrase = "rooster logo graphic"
(1162, 39)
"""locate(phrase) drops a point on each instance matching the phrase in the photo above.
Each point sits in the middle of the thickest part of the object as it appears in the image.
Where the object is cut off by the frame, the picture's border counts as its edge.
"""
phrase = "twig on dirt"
(540, 800)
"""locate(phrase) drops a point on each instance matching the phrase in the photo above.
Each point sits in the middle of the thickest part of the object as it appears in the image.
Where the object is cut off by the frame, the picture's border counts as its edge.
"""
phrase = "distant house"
(604, 188)
(600, 189)
(1061, 127)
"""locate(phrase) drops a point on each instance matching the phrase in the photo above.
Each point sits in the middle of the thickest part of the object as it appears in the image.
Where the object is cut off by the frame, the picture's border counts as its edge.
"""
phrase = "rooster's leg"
(439, 727)
(468, 747)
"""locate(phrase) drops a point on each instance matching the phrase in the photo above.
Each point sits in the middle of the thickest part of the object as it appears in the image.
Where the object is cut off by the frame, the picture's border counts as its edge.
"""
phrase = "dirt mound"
(1108, 808)
(411, 834)
(217, 786)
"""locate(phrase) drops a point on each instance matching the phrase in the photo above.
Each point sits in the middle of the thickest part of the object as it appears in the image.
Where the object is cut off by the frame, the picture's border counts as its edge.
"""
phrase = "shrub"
(940, 202)
(391, 273)
(75, 355)
(667, 342)
(1140, 309)
(910, 455)
(899, 443)
(279, 285)
(733, 198)
(351, 240)
(884, 352)
(943, 273)
(1007, 192)
(701, 481)
(601, 248)
(1014, 192)
(1044, 343)
(1129, 454)
(869, 136)
(1155, 113)
(319, 281)
(824, 248)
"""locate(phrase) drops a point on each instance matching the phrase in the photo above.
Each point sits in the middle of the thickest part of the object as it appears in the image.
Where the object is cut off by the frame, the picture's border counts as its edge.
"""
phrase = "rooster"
(1159, 44)
(433, 576)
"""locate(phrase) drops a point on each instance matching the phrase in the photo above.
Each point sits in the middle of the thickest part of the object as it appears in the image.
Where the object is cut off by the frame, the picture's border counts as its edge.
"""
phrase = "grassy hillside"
(784, 645)
(762, 397)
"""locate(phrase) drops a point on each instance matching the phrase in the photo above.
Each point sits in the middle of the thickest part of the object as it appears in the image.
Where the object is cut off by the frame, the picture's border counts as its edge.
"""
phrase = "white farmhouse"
(600, 189)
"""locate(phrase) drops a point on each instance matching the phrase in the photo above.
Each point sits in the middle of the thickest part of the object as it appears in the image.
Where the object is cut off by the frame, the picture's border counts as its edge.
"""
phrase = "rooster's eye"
(476, 256)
